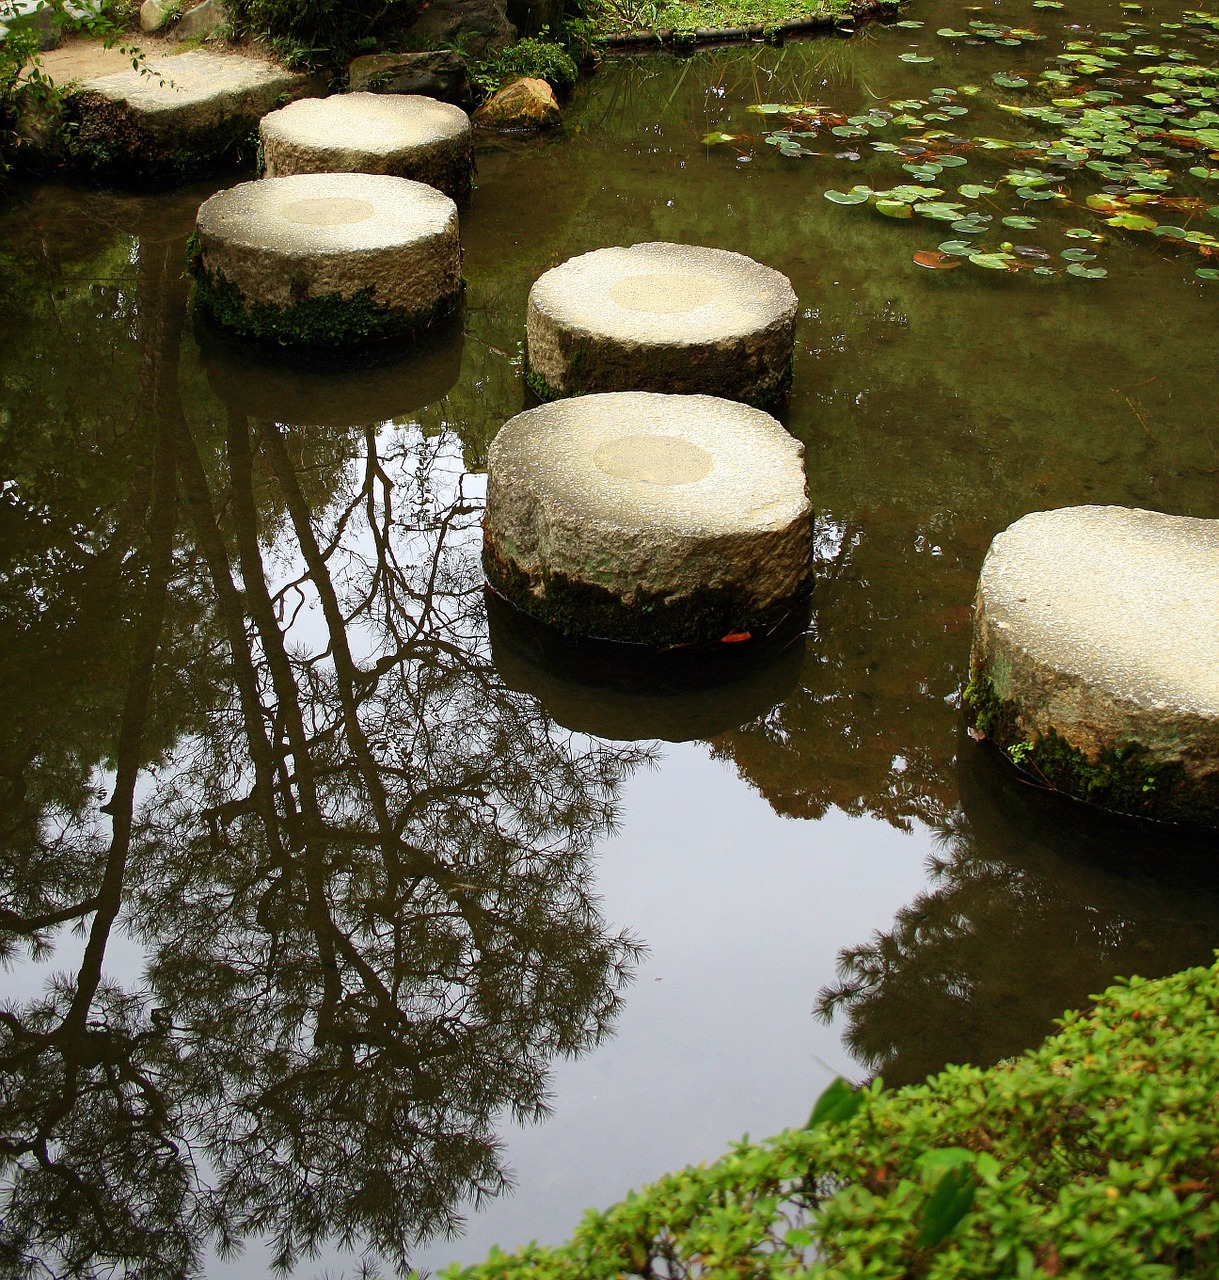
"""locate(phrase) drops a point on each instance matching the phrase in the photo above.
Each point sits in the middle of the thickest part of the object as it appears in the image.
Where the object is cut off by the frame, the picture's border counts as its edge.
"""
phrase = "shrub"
(1096, 1154)
(533, 56)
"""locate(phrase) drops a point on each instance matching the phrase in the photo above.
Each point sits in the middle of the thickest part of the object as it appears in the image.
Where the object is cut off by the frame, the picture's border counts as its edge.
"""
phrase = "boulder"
(523, 105)
(34, 16)
(442, 74)
(1095, 657)
(480, 28)
(200, 22)
(156, 14)
(531, 17)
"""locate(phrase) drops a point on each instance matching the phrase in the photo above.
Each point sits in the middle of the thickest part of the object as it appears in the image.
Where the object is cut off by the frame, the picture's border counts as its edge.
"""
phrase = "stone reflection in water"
(357, 864)
(1037, 905)
(864, 730)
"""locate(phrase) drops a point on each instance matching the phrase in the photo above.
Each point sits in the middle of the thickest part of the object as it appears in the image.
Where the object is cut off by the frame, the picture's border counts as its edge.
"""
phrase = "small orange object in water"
(735, 637)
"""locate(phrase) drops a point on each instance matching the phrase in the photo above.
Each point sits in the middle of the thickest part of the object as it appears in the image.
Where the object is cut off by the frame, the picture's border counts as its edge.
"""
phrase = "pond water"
(321, 885)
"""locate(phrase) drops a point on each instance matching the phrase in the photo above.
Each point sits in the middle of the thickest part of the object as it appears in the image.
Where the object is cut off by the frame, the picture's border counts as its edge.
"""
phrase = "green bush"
(533, 56)
(1095, 1155)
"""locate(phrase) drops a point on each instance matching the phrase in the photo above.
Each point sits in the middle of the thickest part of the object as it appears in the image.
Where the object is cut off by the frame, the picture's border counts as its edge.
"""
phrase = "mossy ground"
(623, 17)
(1125, 778)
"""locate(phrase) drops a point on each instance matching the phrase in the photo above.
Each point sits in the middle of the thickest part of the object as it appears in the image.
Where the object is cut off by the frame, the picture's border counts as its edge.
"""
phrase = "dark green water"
(317, 888)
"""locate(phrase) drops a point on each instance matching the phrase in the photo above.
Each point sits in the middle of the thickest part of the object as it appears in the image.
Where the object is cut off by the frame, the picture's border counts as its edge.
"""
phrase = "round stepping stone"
(406, 135)
(327, 259)
(1096, 657)
(662, 317)
(657, 519)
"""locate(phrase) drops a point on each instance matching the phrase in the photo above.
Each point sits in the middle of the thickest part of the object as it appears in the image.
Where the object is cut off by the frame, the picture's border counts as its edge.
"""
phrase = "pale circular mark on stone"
(659, 460)
(328, 211)
(664, 292)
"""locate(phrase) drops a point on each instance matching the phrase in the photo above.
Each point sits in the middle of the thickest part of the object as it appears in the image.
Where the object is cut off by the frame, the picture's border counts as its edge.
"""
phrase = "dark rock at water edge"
(442, 74)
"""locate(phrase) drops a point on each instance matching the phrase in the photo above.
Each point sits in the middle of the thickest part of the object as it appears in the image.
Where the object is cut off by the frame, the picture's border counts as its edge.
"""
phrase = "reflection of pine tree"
(1033, 910)
(360, 868)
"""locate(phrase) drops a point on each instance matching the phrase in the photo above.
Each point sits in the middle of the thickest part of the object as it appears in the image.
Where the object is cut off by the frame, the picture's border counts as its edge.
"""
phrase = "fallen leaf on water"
(935, 260)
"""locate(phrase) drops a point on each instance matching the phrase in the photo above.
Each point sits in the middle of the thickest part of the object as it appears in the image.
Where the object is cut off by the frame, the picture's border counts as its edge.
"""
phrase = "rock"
(200, 22)
(34, 16)
(531, 17)
(662, 317)
(156, 14)
(442, 74)
(327, 259)
(401, 134)
(1096, 656)
(648, 518)
(479, 28)
(523, 104)
(193, 110)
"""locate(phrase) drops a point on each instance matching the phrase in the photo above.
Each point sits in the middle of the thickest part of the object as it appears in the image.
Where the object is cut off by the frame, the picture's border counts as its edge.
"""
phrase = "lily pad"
(934, 260)
(1020, 224)
(1086, 273)
(914, 57)
(855, 196)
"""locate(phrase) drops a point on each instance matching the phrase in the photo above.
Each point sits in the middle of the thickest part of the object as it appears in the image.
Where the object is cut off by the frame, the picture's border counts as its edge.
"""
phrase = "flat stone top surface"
(190, 79)
(664, 293)
(323, 213)
(1125, 599)
(632, 459)
(376, 123)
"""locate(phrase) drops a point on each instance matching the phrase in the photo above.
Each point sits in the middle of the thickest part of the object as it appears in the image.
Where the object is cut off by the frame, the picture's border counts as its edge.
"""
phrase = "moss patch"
(1125, 778)
(584, 609)
(325, 322)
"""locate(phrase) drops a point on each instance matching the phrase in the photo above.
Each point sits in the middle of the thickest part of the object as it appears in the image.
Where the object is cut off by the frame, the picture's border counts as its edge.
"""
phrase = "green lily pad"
(976, 190)
(894, 209)
(1006, 81)
(1205, 273)
(855, 196)
(993, 261)
(1086, 273)
(1132, 221)
(914, 57)
(1021, 224)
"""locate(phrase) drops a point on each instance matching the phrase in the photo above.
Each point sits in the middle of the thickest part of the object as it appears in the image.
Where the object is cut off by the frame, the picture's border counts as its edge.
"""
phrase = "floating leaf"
(1086, 273)
(914, 57)
(856, 195)
(993, 261)
(934, 260)
(975, 190)
(958, 248)
(1078, 255)
(713, 139)
(1006, 81)
(1132, 221)
(894, 209)
(1206, 273)
(1020, 224)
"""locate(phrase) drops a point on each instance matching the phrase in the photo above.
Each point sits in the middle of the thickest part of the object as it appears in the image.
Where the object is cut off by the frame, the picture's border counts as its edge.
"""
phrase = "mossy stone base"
(1125, 779)
(327, 260)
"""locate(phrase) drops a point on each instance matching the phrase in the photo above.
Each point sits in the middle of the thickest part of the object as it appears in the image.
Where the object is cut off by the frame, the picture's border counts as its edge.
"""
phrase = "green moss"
(585, 609)
(324, 322)
(1125, 778)
(103, 139)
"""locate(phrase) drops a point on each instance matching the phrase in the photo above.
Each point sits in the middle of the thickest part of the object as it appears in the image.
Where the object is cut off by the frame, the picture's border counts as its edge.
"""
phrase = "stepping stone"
(406, 135)
(1096, 657)
(327, 259)
(662, 317)
(186, 113)
(649, 518)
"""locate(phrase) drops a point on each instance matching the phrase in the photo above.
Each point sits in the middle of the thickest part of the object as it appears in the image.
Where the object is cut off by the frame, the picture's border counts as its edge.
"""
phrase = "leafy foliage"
(537, 57)
(1094, 1154)
(319, 32)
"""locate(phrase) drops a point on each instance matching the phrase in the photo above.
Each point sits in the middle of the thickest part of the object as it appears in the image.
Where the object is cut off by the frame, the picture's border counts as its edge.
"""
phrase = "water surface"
(320, 890)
